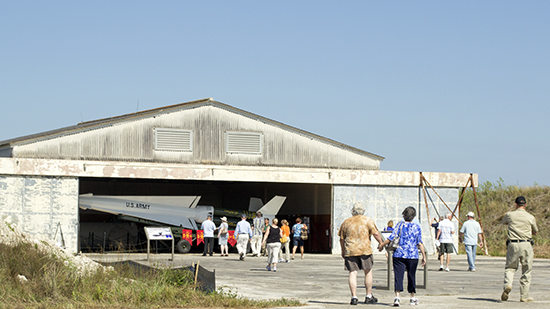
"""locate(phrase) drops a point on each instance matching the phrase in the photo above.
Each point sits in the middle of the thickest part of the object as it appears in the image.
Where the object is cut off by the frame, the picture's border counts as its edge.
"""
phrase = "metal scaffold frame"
(469, 183)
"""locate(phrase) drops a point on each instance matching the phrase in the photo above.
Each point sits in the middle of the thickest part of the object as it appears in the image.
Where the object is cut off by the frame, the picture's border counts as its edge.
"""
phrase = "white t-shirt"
(446, 227)
(470, 229)
(208, 227)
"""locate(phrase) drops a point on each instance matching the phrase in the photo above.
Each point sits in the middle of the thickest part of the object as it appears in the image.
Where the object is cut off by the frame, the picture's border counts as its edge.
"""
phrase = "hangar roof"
(207, 120)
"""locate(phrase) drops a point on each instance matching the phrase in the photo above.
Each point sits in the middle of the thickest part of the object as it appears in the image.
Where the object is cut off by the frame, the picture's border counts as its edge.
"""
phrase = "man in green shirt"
(521, 228)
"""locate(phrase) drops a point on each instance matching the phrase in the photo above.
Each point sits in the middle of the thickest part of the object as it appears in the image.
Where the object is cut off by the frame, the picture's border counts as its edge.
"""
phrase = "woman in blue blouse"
(405, 258)
(297, 240)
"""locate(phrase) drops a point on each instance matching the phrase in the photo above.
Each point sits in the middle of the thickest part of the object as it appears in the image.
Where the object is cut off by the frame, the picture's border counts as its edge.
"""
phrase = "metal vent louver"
(173, 139)
(240, 142)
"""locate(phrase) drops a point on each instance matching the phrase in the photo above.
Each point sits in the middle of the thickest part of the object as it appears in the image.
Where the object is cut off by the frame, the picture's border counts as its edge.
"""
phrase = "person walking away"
(355, 242)
(257, 232)
(286, 245)
(243, 232)
(272, 240)
(266, 225)
(223, 236)
(208, 227)
(445, 236)
(521, 228)
(297, 240)
(435, 225)
(470, 232)
(405, 257)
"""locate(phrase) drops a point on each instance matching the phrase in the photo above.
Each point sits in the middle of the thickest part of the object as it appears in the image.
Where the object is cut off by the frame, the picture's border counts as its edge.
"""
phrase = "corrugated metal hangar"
(209, 149)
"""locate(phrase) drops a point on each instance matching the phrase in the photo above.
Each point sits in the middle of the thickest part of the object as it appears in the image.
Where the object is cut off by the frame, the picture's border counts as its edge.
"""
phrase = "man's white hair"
(357, 209)
(449, 215)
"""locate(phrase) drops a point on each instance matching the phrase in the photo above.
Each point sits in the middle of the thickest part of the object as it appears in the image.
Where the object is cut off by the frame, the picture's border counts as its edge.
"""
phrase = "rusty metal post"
(442, 200)
(459, 204)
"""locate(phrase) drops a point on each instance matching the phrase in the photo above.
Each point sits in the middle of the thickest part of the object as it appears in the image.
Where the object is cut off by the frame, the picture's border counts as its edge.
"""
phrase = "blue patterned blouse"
(411, 236)
(297, 229)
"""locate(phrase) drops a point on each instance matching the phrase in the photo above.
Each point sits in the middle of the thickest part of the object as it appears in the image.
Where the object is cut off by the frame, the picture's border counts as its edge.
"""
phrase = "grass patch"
(52, 282)
(495, 200)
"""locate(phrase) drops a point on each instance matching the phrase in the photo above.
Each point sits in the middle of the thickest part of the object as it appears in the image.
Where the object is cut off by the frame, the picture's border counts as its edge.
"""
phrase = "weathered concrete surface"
(39, 206)
(320, 281)
(384, 203)
(83, 168)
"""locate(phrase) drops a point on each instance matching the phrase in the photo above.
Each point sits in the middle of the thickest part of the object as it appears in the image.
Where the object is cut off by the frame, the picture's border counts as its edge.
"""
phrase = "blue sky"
(434, 86)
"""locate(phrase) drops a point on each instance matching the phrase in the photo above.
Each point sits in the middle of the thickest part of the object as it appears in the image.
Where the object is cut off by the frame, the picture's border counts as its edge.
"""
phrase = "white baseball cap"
(470, 214)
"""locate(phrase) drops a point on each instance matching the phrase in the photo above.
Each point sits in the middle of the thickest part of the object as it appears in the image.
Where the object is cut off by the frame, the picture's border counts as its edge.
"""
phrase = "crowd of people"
(407, 249)
(404, 244)
(265, 238)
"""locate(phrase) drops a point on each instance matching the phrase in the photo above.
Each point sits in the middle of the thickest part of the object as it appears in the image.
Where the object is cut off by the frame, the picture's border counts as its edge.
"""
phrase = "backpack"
(223, 230)
(303, 235)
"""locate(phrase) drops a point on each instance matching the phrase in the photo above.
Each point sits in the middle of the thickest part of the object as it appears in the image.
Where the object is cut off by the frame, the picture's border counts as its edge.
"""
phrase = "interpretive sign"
(158, 233)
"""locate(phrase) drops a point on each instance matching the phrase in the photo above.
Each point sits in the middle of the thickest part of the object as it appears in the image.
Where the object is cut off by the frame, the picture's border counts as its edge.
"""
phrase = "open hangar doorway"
(311, 202)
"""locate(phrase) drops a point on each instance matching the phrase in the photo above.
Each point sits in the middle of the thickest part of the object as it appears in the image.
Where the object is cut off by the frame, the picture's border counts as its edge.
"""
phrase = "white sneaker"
(281, 260)
(447, 269)
(396, 302)
(414, 301)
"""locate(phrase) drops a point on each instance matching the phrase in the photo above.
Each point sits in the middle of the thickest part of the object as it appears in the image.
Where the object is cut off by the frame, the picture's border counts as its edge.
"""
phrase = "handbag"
(303, 235)
(284, 239)
(394, 244)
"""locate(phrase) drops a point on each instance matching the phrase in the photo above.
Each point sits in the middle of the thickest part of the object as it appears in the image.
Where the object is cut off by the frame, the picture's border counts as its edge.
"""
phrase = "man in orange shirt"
(355, 242)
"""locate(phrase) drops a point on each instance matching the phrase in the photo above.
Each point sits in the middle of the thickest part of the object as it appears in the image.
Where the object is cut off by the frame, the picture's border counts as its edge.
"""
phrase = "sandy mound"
(10, 234)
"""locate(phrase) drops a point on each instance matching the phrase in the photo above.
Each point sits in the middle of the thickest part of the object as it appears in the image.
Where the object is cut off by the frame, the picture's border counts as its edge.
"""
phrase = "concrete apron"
(320, 280)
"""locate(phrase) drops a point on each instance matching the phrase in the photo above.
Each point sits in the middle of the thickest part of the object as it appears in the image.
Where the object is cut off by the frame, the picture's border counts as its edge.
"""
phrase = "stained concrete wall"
(29, 186)
(78, 168)
(384, 203)
(37, 205)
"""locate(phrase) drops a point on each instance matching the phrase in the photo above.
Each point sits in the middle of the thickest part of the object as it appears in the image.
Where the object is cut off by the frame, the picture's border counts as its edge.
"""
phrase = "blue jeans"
(471, 253)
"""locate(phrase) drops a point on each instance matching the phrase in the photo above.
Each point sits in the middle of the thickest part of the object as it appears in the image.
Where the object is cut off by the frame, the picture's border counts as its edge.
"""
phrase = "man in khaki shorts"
(521, 228)
(355, 234)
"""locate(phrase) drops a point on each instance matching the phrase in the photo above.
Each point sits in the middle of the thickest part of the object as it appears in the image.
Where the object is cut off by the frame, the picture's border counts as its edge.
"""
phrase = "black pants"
(208, 245)
(399, 267)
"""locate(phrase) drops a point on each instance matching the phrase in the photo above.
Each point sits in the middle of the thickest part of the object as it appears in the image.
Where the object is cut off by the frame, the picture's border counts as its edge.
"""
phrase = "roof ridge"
(137, 115)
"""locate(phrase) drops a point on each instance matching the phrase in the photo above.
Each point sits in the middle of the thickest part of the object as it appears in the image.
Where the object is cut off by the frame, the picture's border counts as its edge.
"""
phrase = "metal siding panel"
(134, 141)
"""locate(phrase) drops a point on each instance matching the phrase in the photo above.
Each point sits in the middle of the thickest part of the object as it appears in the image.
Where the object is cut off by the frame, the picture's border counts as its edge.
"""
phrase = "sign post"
(158, 233)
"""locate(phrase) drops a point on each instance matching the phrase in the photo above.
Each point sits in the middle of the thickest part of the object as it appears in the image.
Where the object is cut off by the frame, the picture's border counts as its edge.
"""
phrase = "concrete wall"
(39, 193)
(384, 203)
(38, 204)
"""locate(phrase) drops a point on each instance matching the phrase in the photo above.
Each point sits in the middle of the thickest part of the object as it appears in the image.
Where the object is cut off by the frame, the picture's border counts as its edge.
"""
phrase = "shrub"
(52, 282)
(495, 199)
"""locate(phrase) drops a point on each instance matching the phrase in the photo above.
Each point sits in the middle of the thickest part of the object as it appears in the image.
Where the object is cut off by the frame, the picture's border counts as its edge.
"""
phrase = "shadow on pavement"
(492, 300)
